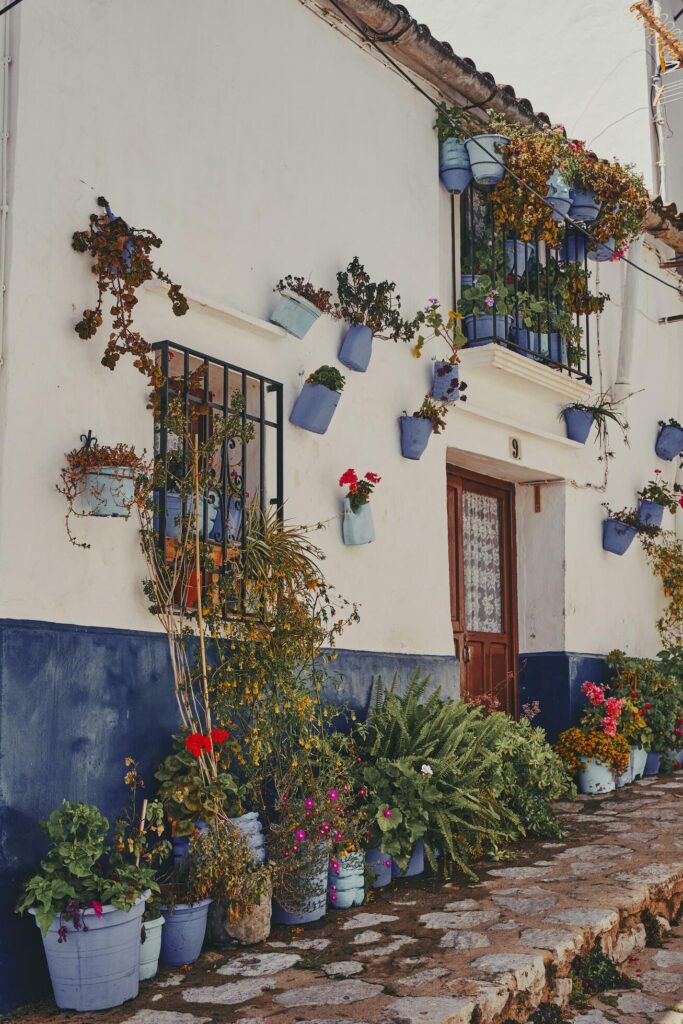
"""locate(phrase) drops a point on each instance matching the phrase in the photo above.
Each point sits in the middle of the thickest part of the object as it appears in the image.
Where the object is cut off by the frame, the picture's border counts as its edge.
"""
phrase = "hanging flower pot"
(617, 537)
(595, 777)
(380, 867)
(573, 248)
(578, 423)
(356, 348)
(558, 195)
(183, 933)
(319, 397)
(150, 948)
(454, 165)
(518, 255)
(346, 881)
(415, 866)
(669, 444)
(446, 380)
(415, 434)
(653, 763)
(638, 762)
(650, 513)
(109, 491)
(486, 157)
(296, 314)
(604, 252)
(585, 206)
(357, 525)
(311, 903)
(486, 328)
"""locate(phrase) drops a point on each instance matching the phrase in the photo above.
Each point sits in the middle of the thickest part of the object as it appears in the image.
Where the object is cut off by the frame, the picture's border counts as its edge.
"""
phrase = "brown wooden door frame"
(458, 479)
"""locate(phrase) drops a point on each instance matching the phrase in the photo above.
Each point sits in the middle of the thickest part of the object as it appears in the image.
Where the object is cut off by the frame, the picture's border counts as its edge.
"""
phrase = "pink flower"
(595, 694)
(489, 300)
(614, 706)
(388, 813)
(678, 732)
(300, 834)
(309, 803)
(333, 795)
(97, 907)
(338, 836)
(609, 726)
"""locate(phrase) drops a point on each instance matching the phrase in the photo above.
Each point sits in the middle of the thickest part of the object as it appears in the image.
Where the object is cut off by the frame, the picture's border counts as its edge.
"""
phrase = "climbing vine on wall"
(665, 554)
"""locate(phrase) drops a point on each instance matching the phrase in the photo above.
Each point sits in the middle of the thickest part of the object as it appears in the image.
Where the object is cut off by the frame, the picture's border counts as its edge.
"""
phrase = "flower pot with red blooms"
(379, 864)
(373, 310)
(357, 525)
(415, 866)
(300, 304)
(319, 397)
(656, 498)
(669, 444)
(346, 880)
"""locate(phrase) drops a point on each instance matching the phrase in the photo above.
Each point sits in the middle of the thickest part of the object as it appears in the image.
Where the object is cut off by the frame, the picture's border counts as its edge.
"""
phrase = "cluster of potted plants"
(620, 528)
(596, 752)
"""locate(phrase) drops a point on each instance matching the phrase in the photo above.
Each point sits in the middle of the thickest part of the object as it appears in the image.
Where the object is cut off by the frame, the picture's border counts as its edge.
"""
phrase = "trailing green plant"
(595, 973)
(121, 261)
(545, 1013)
(605, 412)
(630, 517)
(445, 327)
(321, 298)
(377, 306)
(433, 411)
(329, 377)
(655, 933)
(665, 557)
(221, 868)
(453, 122)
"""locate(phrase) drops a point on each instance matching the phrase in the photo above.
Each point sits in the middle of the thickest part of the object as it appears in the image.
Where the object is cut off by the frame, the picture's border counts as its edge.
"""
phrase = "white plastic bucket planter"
(296, 314)
(357, 526)
(150, 948)
(595, 777)
(109, 491)
(638, 762)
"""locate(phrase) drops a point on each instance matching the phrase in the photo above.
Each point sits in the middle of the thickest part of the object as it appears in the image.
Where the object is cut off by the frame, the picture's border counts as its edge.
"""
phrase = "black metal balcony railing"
(541, 301)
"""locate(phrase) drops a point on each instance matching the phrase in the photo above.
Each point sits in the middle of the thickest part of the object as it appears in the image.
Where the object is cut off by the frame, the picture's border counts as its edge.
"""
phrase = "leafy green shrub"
(595, 973)
(328, 376)
(656, 687)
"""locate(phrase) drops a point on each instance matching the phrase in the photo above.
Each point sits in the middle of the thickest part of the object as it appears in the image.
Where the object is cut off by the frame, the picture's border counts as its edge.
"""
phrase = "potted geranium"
(487, 312)
(319, 397)
(595, 756)
(446, 383)
(373, 310)
(416, 430)
(669, 442)
(300, 304)
(452, 127)
(357, 525)
(656, 498)
(88, 910)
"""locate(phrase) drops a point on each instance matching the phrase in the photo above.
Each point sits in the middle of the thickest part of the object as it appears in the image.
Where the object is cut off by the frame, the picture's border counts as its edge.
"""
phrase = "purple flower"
(489, 300)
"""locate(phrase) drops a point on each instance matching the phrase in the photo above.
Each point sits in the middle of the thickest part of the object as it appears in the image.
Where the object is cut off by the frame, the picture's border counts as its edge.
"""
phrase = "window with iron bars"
(244, 475)
(541, 305)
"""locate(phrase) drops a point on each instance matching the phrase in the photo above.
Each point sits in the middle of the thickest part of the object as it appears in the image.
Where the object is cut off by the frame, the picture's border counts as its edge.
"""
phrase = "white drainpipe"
(627, 335)
(4, 140)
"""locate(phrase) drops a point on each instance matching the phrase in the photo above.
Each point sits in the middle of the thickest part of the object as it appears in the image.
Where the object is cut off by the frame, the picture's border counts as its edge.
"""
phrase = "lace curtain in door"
(481, 538)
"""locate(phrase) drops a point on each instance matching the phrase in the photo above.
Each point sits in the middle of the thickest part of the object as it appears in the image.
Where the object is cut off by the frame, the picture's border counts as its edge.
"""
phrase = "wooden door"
(481, 527)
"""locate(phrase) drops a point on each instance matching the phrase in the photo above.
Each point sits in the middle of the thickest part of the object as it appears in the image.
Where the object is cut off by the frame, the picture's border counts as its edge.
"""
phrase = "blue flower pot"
(585, 206)
(468, 280)
(173, 523)
(183, 935)
(604, 251)
(181, 844)
(539, 345)
(486, 159)
(357, 527)
(558, 195)
(233, 522)
(356, 348)
(251, 828)
(445, 381)
(109, 491)
(310, 906)
(573, 249)
(415, 434)
(617, 537)
(481, 330)
(380, 867)
(578, 424)
(517, 255)
(346, 881)
(100, 968)
(651, 513)
(669, 442)
(653, 763)
(416, 864)
(595, 777)
(296, 314)
(454, 165)
(314, 408)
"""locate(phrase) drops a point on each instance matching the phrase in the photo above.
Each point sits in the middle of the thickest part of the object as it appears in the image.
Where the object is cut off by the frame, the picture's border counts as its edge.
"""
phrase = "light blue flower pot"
(595, 777)
(415, 866)
(445, 381)
(346, 881)
(296, 314)
(415, 434)
(311, 905)
(638, 762)
(578, 424)
(380, 867)
(669, 442)
(454, 165)
(517, 255)
(558, 195)
(573, 248)
(173, 523)
(486, 157)
(617, 537)
(314, 408)
(653, 763)
(181, 844)
(604, 251)
(98, 968)
(356, 348)
(183, 934)
(251, 828)
(109, 491)
(357, 527)
(625, 778)
(585, 206)
(651, 513)
(485, 328)
(150, 949)
(468, 280)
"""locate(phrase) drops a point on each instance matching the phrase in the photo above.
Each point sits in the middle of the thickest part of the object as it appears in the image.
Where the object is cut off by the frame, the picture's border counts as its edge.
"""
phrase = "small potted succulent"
(446, 383)
(319, 397)
(416, 430)
(620, 528)
(669, 442)
(357, 525)
(452, 127)
(373, 310)
(656, 498)
(486, 312)
(300, 304)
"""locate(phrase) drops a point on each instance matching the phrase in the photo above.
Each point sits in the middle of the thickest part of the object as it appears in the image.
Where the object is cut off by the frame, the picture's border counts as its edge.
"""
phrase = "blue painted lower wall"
(554, 679)
(74, 702)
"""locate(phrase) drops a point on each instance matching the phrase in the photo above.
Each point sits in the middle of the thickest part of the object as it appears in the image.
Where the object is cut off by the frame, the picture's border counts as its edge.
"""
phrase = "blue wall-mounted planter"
(578, 424)
(357, 527)
(573, 249)
(651, 513)
(617, 537)
(483, 329)
(346, 881)
(312, 905)
(183, 934)
(454, 165)
(486, 157)
(356, 348)
(585, 206)
(669, 443)
(558, 195)
(604, 251)
(445, 381)
(415, 866)
(314, 408)
(415, 434)
(296, 314)
(380, 867)
(517, 255)
(109, 491)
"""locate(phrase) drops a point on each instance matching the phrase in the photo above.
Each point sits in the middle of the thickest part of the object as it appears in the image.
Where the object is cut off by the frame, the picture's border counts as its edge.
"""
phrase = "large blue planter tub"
(669, 442)
(380, 867)
(109, 491)
(98, 968)
(486, 158)
(346, 881)
(357, 527)
(573, 249)
(517, 255)
(312, 904)
(314, 408)
(651, 513)
(604, 251)
(578, 423)
(559, 196)
(415, 866)
(445, 381)
(454, 165)
(653, 763)
(356, 348)
(296, 314)
(617, 537)
(585, 206)
(415, 434)
(468, 280)
(485, 328)
(183, 935)
(595, 777)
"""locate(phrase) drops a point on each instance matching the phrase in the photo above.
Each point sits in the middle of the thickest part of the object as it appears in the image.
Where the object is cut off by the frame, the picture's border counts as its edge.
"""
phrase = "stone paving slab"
(428, 952)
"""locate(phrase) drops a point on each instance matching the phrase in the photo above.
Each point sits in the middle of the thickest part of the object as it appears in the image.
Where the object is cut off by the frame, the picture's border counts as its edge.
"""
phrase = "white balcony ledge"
(244, 321)
(505, 361)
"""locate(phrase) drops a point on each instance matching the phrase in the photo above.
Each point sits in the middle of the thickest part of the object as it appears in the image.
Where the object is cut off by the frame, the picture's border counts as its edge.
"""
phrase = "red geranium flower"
(97, 907)
(373, 478)
(349, 477)
(219, 736)
(196, 743)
